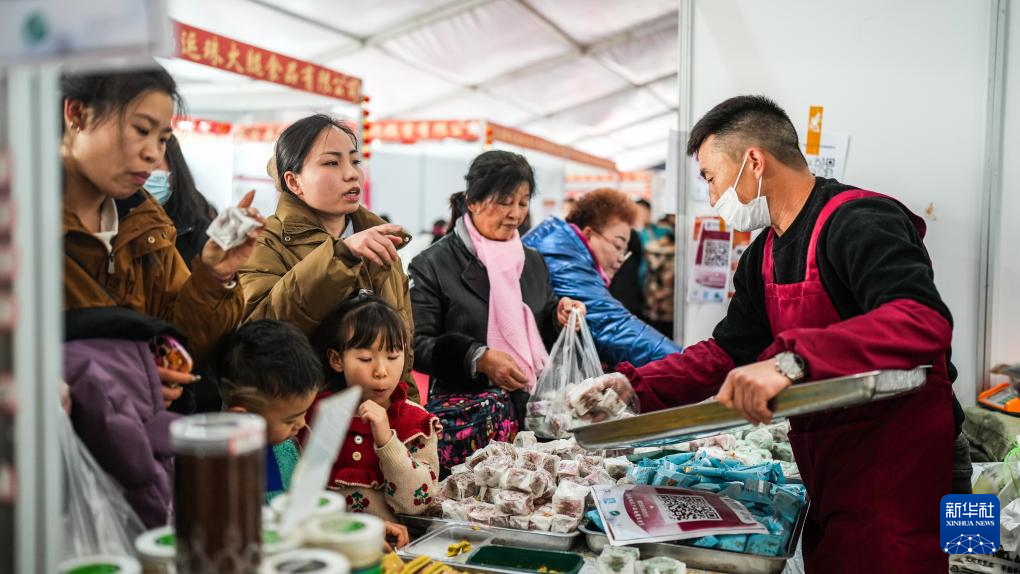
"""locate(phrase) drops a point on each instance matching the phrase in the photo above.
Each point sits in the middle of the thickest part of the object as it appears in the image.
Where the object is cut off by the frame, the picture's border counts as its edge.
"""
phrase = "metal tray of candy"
(724, 561)
(686, 423)
(510, 536)
(436, 543)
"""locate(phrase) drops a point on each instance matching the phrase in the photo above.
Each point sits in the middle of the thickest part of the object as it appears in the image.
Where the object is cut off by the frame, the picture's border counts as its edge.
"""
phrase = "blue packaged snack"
(641, 474)
(733, 542)
(707, 486)
(596, 520)
(706, 542)
(764, 544)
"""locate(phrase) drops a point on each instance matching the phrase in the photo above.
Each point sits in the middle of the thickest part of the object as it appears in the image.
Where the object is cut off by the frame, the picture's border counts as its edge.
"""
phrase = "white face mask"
(743, 216)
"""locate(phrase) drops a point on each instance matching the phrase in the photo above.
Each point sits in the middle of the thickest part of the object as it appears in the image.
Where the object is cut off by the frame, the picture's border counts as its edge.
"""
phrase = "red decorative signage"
(200, 46)
(412, 131)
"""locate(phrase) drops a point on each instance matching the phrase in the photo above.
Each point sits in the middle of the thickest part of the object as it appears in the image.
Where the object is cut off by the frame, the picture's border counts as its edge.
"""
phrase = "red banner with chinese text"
(411, 131)
(202, 47)
(523, 139)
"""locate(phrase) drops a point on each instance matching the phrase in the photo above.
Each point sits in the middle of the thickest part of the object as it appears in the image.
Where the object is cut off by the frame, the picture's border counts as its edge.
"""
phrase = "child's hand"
(397, 533)
(371, 413)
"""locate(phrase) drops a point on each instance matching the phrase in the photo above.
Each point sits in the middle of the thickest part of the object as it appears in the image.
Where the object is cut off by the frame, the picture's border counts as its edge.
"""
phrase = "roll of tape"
(359, 537)
(157, 549)
(307, 561)
(101, 563)
(329, 503)
(276, 542)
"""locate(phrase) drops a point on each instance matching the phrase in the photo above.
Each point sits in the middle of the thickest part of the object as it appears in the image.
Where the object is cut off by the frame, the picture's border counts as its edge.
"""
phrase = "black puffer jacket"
(450, 303)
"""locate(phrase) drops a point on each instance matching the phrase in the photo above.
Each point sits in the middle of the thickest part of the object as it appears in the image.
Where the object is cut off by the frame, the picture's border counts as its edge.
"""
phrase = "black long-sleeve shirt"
(869, 254)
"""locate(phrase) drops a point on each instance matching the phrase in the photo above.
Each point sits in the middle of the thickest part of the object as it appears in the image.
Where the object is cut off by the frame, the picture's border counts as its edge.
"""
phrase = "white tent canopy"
(598, 75)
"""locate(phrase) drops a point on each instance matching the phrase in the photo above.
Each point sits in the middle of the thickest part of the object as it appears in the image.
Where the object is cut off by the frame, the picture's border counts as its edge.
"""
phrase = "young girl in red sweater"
(389, 463)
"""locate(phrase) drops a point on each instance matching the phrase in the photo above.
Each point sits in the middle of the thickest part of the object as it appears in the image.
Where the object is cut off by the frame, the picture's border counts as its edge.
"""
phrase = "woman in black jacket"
(173, 186)
(457, 340)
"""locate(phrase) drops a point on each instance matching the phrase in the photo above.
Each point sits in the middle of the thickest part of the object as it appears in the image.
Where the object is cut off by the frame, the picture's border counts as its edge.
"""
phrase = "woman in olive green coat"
(322, 246)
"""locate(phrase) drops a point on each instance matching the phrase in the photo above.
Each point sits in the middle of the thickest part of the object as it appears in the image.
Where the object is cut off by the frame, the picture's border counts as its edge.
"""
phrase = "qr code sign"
(822, 166)
(716, 254)
(686, 508)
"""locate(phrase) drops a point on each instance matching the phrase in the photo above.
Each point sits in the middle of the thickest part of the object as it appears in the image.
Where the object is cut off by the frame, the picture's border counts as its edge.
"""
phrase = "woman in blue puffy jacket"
(582, 254)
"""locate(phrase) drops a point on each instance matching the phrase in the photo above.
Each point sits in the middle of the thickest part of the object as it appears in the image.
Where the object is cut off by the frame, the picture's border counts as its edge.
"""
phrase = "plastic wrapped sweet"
(500, 520)
(618, 467)
(583, 397)
(618, 560)
(570, 498)
(526, 440)
(562, 448)
(587, 469)
(662, 565)
(520, 522)
(451, 510)
(514, 503)
(611, 404)
(231, 227)
(539, 408)
(503, 449)
(541, 519)
(568, 468)
(460, 469)
(476, 459)
(459, 486)
(535, 460)
(486, 494)
(526, 481)
(563, 524)
(600, 477)
(590, 460)
(482, 513)
(490, 473)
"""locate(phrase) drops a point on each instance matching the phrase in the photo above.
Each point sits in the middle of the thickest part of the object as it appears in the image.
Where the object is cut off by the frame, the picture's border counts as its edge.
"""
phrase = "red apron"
(876, 473)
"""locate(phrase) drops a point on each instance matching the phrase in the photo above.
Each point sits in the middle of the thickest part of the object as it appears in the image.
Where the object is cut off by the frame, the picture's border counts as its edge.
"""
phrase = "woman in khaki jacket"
(118, 242)
(322, 246)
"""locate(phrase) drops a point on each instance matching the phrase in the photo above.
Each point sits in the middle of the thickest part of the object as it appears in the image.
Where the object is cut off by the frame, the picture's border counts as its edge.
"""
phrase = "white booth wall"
(907, 80)
(1005, 333)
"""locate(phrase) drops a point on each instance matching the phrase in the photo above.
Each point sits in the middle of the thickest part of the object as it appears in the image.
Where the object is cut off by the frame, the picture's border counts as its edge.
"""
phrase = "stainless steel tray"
(435, 543)
(509, 536)
(704, 419)
(723, 561)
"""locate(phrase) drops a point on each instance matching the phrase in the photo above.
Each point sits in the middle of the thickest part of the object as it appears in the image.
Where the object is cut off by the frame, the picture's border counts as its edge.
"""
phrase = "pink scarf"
(512, 328)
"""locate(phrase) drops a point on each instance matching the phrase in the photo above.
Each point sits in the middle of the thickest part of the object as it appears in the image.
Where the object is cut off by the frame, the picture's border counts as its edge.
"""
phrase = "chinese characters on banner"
(412, 131)
(224, 53)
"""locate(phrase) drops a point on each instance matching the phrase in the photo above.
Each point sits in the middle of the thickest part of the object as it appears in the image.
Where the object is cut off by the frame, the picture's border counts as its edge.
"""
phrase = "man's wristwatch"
(791, 366)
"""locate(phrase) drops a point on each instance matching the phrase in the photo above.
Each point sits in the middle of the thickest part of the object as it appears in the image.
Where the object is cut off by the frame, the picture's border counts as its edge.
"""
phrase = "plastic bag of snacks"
(573, 358)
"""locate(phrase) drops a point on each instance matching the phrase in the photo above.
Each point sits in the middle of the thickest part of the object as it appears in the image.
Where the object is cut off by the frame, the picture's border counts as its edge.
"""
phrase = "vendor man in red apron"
(837, 283)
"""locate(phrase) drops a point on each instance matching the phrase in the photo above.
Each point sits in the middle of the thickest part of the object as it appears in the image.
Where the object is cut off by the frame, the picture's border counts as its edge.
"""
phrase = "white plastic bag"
(97, 518)
(572, 360)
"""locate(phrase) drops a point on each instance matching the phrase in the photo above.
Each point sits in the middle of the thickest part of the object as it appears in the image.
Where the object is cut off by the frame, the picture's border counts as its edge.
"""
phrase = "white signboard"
(830, 162)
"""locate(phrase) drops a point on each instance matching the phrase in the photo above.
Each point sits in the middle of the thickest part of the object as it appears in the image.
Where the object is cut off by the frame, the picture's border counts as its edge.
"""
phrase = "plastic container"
(100, 564)
(219, 485)
(359, 537)
(157, 550)
(276, 542)
(330, 503)
(525, 560)
(307, 561)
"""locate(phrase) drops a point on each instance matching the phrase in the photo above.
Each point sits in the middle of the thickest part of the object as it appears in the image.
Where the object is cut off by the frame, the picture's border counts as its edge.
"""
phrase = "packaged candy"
(526, 440)
(513, 503)
(451, 510)
(526, 481)
(587, 469)
(500, 520)
(482, 513)
(541, 519)
(459, 486)
(618, 467)
(590, 460)
(582, 397)
(460, 469)
(563, 524)
(535, 460)
(545, 484)
(476, 459)
(662, 565)
(521, 522)
(618, 560)
(487, 494)
(570, 498)
(231, 227)
(600, 477)
(539, 408)
(568, 468)
(562, 448)
(504, 449)
(611, 404)
(491, 472)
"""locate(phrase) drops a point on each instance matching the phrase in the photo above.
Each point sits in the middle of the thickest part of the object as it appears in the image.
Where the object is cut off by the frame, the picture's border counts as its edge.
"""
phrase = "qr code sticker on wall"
(716, 254)
(822, 166)
(686, 508)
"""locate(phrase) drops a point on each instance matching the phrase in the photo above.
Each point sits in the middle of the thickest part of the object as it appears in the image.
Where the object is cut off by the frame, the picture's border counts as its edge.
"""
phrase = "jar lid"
(307, 560)
(101, 564)
(158, 544)
(218, 433)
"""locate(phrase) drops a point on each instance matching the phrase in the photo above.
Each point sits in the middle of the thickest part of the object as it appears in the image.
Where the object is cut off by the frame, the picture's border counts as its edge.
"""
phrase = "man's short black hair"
(266, 359)
(745, 121)
(644, 203)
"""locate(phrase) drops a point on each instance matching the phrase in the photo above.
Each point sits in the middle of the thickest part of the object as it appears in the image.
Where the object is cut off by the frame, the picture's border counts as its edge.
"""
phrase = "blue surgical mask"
(158, 185)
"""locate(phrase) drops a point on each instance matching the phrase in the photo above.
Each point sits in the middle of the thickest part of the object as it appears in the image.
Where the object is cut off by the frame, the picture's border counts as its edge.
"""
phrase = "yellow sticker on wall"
(814, 130)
